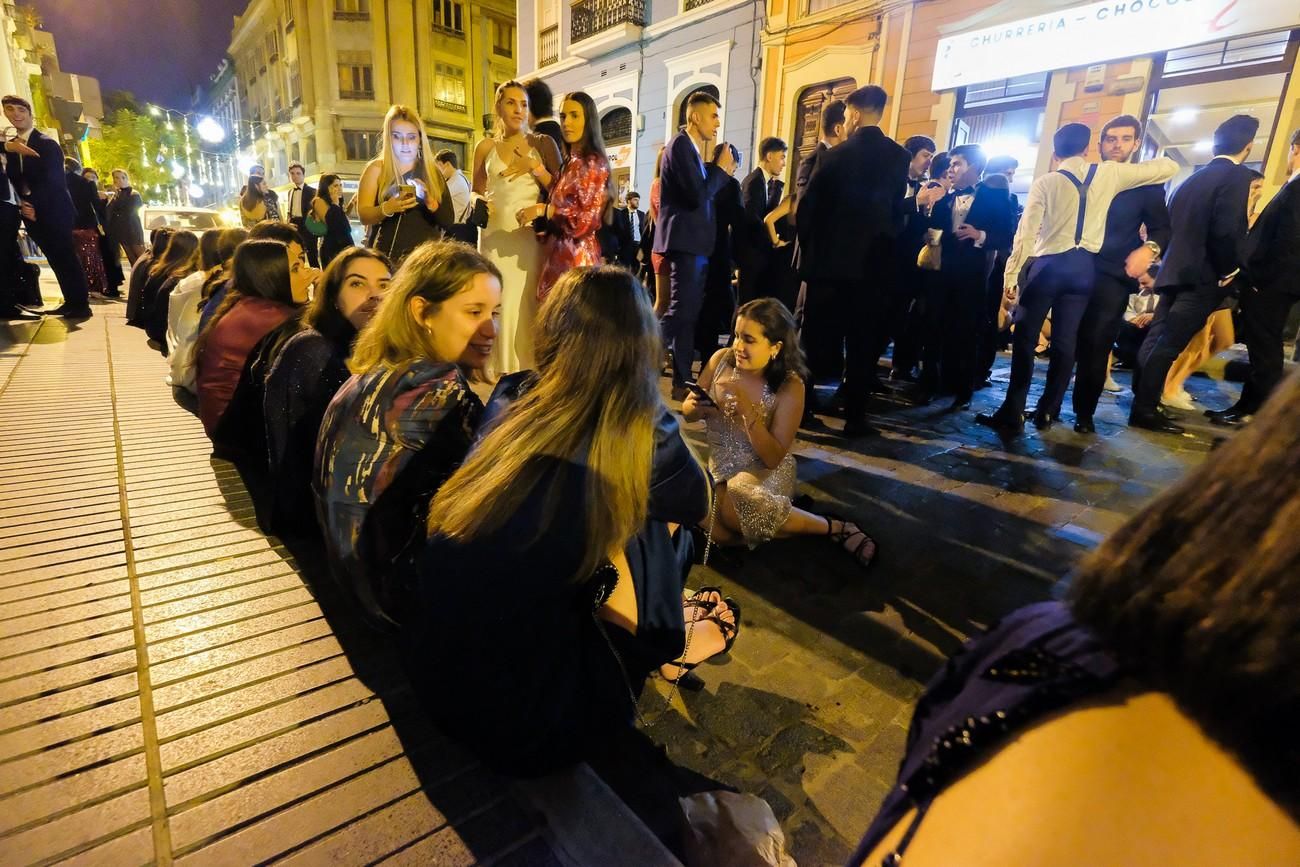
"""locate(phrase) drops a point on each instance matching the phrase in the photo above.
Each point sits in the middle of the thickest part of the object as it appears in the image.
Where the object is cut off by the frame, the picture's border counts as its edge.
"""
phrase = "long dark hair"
(178, 256)
(323, 188)
(593, 140)
(252, 195)
(260, 270)
(1198, 595)
(323, 313)
(210, 250)
(778, 326)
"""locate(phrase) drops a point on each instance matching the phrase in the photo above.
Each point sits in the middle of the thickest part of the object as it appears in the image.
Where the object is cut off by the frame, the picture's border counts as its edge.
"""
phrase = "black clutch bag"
(478, 215)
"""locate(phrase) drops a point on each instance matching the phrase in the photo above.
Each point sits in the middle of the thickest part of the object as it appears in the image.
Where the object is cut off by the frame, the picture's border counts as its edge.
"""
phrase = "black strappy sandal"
(697, 600)
(844, 535)
(729, 632)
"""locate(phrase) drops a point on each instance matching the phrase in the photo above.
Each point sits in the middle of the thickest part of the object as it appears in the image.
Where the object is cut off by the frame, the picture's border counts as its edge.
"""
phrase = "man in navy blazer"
(684, 235)
(34, 164)
(1273, 273)
(1201, 266)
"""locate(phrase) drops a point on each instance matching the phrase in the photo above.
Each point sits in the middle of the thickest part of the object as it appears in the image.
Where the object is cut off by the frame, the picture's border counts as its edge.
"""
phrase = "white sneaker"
(1179, 401)
(1112, 386)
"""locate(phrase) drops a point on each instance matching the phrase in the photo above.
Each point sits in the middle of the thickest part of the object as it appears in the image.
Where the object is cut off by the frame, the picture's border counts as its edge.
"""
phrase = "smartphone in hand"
(700, 394)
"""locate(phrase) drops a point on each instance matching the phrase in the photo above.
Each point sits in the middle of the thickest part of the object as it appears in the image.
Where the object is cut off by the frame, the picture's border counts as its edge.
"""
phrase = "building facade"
(67, 106)
(1008, 74)
(315, 77)
(639, 60)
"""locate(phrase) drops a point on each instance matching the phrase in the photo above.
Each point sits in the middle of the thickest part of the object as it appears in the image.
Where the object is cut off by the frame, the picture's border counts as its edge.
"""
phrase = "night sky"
(157, 49)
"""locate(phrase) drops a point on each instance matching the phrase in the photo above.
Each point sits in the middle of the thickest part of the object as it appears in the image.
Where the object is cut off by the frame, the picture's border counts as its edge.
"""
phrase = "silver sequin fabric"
(761, 496)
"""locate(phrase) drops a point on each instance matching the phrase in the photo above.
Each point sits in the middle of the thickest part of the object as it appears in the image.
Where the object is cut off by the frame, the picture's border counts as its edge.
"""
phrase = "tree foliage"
(134, 142)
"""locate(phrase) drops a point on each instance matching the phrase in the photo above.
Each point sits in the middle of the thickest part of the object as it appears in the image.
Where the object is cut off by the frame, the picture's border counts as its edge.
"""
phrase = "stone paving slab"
(170, 688)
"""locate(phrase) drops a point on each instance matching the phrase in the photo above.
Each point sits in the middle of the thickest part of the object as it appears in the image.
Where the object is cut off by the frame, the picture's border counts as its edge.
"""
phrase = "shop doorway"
(1200, 87)
(616, 129)
(1005, 118)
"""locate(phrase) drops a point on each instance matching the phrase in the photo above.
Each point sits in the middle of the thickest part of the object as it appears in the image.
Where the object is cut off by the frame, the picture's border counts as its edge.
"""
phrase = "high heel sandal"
(730, 630)
(842, 537)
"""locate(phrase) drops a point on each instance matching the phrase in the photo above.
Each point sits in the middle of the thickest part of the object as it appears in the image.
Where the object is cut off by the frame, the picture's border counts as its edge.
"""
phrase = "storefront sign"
(1101, 31)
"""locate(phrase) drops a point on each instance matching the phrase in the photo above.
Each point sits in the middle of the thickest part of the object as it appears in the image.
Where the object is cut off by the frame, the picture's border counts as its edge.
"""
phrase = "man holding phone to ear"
(687, 227)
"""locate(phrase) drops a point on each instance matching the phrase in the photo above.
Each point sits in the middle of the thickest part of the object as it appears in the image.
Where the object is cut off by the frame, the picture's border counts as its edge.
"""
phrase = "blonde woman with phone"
(402, 198)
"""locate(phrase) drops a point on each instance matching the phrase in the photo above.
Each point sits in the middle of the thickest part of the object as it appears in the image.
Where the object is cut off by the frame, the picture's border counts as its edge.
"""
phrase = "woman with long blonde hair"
(513, 170)
(404, 420)
(567, 515)
(401, 196)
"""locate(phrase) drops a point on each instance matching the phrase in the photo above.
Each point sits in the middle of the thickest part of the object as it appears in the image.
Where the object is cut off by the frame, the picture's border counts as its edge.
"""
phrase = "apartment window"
(449, 15)
(352, 10)
(449, 87)
(295, 84)
(503, 38)
(360, 144)
(356, 75)
(272, 46)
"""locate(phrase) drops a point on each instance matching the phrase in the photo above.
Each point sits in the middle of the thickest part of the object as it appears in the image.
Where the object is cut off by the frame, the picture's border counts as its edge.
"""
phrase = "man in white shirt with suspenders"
(1062, 229)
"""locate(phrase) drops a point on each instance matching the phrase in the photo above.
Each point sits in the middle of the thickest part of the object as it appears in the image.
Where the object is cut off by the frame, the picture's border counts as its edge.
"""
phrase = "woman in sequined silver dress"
(756, 397)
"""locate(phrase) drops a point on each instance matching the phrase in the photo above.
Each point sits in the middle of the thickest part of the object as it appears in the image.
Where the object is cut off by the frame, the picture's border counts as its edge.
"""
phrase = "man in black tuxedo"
(1201, 266)
(541, 111)
(903, 322)
(1273, 272)
(301, 196)
(972, 224)
(848, 221)
(629, 227)
(34, 164)
(1124, 257)
(825, 354)
(761, 192)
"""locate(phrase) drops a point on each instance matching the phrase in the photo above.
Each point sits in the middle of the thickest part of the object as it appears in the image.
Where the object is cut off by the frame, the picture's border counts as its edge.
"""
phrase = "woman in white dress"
(513, 170)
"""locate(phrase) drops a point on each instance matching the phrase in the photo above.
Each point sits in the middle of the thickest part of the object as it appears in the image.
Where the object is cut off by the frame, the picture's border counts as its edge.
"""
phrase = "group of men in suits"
(34, 190)
(864, 208)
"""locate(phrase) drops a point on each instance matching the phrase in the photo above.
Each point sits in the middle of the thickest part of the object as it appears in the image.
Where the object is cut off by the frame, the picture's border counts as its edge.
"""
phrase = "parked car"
(196, 220)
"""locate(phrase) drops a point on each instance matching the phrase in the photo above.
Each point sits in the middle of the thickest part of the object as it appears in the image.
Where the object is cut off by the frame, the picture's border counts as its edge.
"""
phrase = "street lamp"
(210, 131)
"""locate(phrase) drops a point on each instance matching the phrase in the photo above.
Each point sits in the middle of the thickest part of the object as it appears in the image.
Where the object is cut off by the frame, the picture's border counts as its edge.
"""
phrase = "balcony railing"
(688, 5)
(550, 46)
(356, 94)
(591, 17)
(448, 105)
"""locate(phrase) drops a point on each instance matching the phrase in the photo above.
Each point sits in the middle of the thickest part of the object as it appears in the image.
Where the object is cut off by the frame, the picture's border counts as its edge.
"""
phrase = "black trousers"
(1127, 344)
(909, 334)
(56, 243)
(1097, 332)
(822, 334)
(1262, 316)
(10, 256)
(1060, 283)
(1180, 315)
(953, 325)
(845, 309)
(989, 336)
(310, 242)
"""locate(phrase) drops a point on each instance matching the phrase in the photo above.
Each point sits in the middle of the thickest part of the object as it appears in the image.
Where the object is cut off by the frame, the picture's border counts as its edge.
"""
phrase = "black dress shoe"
(1084, 426)
(112, 293)
(71, 312)
(1219, 413)
(1001, 424)
(859, 427)
(18, 313)
(1231, 418)
(959, 404)
(1043, 419)
(1155, 421)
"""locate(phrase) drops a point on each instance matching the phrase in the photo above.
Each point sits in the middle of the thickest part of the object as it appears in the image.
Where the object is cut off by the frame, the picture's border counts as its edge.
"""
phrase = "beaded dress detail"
(762, 496)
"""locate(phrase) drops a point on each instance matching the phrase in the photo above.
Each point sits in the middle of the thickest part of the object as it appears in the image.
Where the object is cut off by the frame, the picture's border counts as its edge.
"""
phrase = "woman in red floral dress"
(577, 202)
